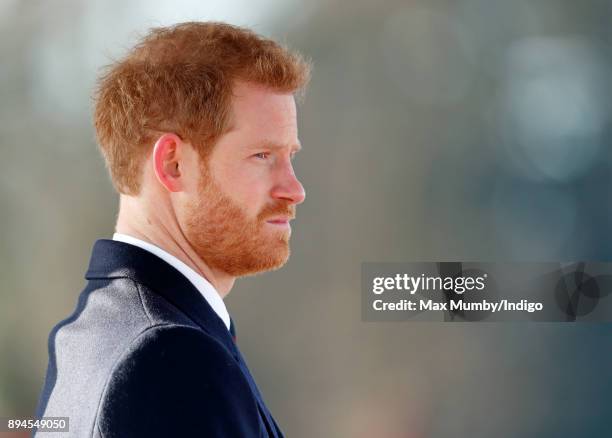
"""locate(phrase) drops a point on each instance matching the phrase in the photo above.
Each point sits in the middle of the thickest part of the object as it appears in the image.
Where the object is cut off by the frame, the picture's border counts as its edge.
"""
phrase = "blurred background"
(432, 130)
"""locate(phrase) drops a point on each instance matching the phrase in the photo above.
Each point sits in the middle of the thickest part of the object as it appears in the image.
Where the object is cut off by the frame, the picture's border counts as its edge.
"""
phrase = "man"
(197, 125)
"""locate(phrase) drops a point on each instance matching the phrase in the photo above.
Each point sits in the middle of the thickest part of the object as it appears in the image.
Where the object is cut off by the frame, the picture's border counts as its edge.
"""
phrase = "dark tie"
(232, 329)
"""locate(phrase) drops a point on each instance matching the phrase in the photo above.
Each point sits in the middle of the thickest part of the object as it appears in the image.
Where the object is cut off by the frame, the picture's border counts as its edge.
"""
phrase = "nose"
(288, 187)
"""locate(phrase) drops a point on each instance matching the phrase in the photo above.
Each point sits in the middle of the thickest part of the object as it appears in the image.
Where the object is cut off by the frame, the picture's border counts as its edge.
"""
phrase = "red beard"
(226, 239)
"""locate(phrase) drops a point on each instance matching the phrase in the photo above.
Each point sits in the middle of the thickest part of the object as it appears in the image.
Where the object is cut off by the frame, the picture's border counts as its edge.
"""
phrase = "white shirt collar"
(206, 289)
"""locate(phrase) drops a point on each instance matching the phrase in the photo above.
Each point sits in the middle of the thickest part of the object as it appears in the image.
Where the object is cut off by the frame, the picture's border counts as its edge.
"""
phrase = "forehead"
(259, 110)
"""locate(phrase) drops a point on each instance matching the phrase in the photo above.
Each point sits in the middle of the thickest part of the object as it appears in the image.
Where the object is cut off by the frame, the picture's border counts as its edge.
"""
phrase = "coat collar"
(114, 259)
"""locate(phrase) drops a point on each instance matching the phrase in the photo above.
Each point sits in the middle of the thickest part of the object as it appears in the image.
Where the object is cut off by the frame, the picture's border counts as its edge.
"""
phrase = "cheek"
(254, 198)
(247, 188)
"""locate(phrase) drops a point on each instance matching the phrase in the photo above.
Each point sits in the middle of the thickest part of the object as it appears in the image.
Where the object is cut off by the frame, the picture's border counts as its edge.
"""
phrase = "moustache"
(278, 209)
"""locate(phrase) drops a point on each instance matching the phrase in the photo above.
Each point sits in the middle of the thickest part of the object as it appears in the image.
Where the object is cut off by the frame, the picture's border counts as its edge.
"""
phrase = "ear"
(167, 161)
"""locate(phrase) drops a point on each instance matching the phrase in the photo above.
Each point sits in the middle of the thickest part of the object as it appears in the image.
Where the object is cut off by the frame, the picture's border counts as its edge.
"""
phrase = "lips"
(279, 220)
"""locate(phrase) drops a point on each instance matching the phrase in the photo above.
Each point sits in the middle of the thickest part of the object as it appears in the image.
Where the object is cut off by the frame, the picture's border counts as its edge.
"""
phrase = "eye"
(262, 155)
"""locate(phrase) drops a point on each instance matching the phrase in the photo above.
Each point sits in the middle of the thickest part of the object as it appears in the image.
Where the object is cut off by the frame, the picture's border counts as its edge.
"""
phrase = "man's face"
(239, 222)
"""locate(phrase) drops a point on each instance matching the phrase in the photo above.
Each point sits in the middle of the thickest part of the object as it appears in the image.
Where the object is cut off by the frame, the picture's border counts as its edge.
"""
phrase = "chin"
(270, 261)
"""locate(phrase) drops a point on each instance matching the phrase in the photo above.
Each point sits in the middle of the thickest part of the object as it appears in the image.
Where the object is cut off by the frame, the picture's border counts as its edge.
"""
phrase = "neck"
(146, 224)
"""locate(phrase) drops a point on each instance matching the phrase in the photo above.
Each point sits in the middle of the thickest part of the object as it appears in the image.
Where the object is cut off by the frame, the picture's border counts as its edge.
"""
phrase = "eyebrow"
(272, 145)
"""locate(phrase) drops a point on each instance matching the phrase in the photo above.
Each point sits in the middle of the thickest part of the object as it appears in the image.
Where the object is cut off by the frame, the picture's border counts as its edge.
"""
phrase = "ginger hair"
(179, 79)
